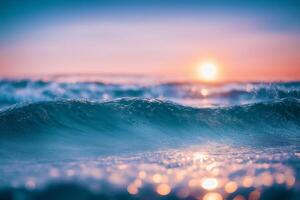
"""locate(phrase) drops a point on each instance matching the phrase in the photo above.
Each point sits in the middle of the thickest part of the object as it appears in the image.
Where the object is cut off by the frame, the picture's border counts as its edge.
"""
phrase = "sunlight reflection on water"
(203, 173)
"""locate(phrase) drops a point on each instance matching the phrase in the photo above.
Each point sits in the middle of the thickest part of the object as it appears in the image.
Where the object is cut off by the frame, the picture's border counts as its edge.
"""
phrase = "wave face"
(134, 124)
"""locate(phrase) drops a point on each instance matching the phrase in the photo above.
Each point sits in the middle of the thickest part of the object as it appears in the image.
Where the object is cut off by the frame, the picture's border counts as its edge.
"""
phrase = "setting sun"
(208, 71)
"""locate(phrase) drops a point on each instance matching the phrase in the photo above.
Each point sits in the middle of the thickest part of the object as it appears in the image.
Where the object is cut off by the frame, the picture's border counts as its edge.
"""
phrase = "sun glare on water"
(207, 71)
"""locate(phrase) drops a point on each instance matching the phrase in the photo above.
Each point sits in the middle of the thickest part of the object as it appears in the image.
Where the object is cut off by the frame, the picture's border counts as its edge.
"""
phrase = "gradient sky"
(249, 40)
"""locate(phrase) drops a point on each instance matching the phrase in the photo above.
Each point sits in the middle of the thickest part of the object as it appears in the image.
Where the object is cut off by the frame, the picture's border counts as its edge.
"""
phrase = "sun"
(208, 71)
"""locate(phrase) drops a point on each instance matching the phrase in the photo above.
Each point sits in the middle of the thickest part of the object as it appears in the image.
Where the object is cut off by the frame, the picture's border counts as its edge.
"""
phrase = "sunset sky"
(246, 40)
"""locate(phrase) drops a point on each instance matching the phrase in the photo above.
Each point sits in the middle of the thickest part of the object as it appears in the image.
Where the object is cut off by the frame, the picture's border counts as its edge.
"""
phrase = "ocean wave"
(134, 123)
(17, 91)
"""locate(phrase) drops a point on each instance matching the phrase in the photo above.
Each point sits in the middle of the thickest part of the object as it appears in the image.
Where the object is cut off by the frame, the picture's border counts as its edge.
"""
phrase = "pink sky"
(242, 49)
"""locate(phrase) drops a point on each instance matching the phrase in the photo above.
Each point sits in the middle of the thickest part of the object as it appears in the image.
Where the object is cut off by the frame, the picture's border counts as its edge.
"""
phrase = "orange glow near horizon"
(68, 48)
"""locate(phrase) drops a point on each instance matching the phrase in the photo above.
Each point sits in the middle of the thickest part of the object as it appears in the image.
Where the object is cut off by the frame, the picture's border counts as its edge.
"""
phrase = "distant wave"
(13, 91)
(134, 123)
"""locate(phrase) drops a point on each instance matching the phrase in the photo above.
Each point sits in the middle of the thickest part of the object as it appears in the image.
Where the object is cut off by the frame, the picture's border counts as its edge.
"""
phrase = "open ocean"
(99, 139)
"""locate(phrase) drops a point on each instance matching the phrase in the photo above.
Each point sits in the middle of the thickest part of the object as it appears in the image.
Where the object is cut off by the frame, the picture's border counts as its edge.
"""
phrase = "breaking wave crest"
(13, 91)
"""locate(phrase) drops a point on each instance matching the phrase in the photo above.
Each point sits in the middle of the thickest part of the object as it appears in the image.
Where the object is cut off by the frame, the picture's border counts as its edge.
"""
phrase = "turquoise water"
(177, 140)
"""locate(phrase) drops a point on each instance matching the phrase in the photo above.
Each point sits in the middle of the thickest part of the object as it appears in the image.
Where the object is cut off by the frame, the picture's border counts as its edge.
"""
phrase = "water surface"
(135, 140)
